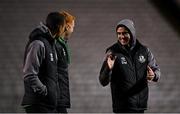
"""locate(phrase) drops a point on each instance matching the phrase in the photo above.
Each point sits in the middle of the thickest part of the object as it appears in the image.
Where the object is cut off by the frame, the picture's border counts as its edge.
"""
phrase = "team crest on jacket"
(141, 59)
(123, 60)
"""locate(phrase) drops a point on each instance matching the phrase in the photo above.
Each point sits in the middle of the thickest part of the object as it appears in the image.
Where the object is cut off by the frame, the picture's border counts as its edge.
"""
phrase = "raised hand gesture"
(110, 60)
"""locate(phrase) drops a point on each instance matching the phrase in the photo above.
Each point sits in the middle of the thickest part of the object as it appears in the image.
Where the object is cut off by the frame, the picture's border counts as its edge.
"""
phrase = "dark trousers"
(128, 111)
(61, 110)
(43, 109)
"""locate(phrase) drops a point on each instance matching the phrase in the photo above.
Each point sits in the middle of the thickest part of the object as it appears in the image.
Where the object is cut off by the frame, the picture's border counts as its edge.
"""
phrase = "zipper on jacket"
(138, 97)
(133, 64)
(135, 73)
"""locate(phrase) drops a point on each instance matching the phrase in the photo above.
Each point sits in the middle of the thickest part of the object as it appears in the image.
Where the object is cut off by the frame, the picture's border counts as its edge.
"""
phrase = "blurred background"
(157, 26)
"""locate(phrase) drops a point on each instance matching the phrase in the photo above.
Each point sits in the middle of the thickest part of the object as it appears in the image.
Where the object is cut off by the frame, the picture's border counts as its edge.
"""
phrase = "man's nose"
(121, 36)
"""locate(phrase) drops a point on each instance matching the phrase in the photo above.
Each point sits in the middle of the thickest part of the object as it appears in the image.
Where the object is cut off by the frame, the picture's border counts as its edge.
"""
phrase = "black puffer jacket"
(40, 69)
(128, 77)
(63, 78)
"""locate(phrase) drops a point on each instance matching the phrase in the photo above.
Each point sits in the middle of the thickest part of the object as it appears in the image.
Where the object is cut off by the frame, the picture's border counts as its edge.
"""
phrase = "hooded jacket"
(128, 77)
(40, 69)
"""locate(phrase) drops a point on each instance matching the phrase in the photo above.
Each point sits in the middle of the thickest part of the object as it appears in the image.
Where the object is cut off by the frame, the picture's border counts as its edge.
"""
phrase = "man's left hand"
(150, 74)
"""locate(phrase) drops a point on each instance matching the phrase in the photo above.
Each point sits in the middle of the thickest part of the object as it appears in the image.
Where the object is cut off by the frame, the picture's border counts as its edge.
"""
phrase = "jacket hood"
(130, 26)
(40, 30)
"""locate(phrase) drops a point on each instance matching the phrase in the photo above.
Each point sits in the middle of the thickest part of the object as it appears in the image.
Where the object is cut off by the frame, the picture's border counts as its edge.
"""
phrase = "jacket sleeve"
(34, 57)
(152, 63)
(105, 74)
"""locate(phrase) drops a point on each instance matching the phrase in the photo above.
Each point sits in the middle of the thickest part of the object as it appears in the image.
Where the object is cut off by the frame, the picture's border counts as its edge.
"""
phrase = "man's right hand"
(110, 61)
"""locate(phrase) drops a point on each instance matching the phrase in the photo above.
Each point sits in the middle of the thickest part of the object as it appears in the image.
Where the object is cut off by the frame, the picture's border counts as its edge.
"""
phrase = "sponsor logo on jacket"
(64, 52)
(123, 60)
(51, 57)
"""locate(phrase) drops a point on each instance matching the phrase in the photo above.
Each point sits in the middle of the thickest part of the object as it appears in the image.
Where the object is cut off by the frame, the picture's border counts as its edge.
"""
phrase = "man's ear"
(67, 27)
